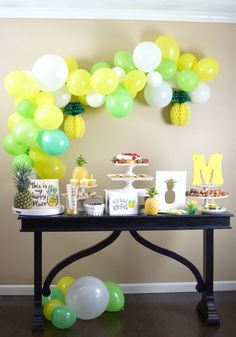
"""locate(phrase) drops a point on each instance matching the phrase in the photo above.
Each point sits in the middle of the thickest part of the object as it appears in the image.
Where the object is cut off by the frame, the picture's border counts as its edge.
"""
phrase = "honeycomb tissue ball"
(179, 114)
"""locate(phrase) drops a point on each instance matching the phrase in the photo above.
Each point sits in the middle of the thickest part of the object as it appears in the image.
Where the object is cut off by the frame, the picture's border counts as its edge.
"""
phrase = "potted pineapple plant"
(23, 198)
(151, 205)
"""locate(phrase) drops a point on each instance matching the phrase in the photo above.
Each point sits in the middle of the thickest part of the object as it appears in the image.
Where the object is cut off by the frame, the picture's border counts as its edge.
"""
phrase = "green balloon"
(25, 132)
(124, 59)
(63, 317)
(116, 295)
(99, 65)
(12, 147)
(119, 103)
(21, 160)
(187, 80)
(167, 69)
(26, 108)
(56, 294)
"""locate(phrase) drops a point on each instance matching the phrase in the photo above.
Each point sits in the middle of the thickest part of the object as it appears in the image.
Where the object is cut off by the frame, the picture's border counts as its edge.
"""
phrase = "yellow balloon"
(48, 116)
(207, 68)
(13, 119)
(78, 82)
(186, 61)
(43, 98)
(169, 47)
(64, 283)
(71, 63)
(50, 168)
(20, 84)
(36, 153)
(82, 99)
(135, 81)
(104, 81)
(50, 306)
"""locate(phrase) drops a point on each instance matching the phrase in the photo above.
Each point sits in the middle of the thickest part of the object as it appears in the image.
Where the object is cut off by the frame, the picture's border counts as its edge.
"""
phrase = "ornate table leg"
(206, 306)
(37, 324)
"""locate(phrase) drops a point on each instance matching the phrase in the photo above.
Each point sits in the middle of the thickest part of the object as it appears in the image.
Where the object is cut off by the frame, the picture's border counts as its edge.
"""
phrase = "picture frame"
(171, 188)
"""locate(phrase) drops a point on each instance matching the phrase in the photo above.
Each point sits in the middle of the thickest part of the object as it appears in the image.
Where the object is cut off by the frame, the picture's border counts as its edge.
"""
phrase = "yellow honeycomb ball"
(179, 114)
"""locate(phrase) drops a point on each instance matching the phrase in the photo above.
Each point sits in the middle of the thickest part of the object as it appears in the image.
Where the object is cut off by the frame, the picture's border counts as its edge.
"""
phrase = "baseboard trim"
(133, 288)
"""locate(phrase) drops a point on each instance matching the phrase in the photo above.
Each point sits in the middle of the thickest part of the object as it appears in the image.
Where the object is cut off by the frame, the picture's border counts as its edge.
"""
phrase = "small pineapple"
(180, 112)
(151, 204)
(170, 194)
(74, 125)
(23, 198)
(80, 171)
(52, 198)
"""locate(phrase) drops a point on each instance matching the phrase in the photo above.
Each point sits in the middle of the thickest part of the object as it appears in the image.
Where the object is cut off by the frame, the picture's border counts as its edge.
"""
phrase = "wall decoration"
(55, 89)
(206, 174)
(171, 186)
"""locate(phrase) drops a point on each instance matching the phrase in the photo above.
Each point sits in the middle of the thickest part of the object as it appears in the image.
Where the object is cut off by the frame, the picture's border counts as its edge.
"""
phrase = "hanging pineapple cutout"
(180, 112)
(170, 194)
(74, 125)
(52, 198)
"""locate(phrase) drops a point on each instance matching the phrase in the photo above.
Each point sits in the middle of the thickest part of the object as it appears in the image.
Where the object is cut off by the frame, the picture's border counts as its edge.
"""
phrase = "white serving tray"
(38, 212)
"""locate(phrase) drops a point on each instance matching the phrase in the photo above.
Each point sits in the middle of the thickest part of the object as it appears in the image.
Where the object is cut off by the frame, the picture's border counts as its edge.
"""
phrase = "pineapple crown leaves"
(152, 192)
(74, 108)
(21, 177)
(51, 190)
(80, 160)
(171, 182)
(180, 96)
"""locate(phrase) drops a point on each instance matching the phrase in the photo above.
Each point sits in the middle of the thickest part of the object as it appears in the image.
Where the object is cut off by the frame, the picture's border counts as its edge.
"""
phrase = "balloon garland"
(55, 90)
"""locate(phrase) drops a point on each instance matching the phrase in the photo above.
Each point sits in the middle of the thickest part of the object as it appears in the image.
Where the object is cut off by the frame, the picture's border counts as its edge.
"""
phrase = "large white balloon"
(51, 71)
(201, 94)
(88, 296)
(158, 97)
(147, 56)
(61, 97)
(154, 79)
(94, 99)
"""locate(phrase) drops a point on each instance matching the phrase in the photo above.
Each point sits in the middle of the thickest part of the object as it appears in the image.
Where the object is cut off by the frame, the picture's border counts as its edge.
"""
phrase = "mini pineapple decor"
(74, 125)
(180, 112)
(23, 197)
(80, 171)
(151, 204)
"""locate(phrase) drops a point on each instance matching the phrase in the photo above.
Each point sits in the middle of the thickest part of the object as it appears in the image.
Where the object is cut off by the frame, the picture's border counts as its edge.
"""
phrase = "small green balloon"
(99, 65)
(116, 295)
(187, 80)
(12, 147)
(167, 69)
(56, 294)
(124, 59)
(21, 160)
(25, 132)
(63, 317)
(26, 108)
(119, 103)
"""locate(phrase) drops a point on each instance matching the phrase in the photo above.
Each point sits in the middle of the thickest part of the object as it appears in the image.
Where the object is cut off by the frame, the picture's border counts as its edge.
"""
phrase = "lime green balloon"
(99, 65)
(187, 80)
(56, 294)
(116, 295)
(124, 59)
(167, 69)
(13, 120)
(26, 108)
(25, 132)
(63, 317)
(22, 160)
(12, 147)
(119, 103)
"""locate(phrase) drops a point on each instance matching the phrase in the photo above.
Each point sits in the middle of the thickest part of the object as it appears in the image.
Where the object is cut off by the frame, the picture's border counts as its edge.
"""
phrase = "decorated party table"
(135, 225)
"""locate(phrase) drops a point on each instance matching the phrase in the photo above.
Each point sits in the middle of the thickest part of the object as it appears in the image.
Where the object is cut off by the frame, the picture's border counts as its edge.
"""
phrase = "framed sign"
(171, 186)
(45, 193)
(121, 203)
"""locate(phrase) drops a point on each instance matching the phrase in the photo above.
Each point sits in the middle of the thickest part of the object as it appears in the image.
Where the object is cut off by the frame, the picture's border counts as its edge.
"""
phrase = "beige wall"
(211, 129)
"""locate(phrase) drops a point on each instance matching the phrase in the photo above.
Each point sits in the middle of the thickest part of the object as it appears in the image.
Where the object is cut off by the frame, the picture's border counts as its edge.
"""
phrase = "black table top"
(141, 222)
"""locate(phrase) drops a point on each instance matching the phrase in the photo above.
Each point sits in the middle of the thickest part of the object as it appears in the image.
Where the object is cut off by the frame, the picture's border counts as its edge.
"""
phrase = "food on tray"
(126, 175)
(207, 193)
(129, 158)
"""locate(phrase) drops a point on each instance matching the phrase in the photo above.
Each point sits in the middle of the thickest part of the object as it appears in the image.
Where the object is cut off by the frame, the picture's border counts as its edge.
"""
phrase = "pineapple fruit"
(23, 198)
(170, 194)
(180, 112)
(52, 198)
(151, 204)
(80, 171)
(74, 125)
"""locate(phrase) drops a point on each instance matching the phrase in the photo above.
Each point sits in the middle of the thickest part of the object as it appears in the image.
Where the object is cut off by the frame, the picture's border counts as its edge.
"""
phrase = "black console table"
(134, 225)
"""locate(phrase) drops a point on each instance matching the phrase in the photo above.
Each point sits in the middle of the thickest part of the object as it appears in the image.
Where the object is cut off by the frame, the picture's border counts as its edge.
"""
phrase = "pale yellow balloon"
(48, 116)
(82, 99)
(51, 168)
(36, 153)
(135, 81)
(104, 81)
(13, 119)
(43, 98)
(169, 47)
(186, 61)
(207, 68)
(71, 63)
(20, 84)
(64, 283)
(78, 82)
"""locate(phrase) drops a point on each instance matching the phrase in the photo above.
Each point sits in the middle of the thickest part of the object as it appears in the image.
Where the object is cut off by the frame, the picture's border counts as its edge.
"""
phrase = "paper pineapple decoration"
(80, 171)
(23, 198)
(170, 194)
(180, 112)
(74, 125)
(151, 204)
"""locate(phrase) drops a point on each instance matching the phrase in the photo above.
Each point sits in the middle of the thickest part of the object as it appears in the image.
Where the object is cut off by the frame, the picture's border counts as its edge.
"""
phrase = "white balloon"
(88, 296)
(154, 79)
(147, 56)
(120, 72)
(201, 94)
(94, 99)
(51, 71)
(61, 97)
(158, 97)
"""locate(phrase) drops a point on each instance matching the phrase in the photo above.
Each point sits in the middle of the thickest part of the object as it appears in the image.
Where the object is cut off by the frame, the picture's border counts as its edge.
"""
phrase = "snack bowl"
(95, 209)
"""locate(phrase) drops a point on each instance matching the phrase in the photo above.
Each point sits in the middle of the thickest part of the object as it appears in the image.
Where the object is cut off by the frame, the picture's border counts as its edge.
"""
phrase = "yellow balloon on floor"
(207, 68)
(104, 81)
(50, 306)
(50, 168)
(169, 47)
(64, 283)
(20, 84)
(48, 116)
